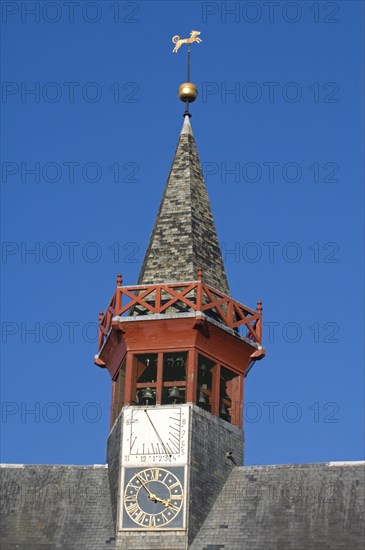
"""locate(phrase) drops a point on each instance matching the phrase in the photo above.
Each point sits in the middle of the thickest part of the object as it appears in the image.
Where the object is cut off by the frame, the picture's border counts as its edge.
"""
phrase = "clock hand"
(165, 502)
(158, 435)
(151, 495)
(145, 486)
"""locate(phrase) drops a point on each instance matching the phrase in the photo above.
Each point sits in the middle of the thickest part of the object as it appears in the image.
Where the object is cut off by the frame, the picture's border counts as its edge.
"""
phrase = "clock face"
(155, 435)
(153, 498)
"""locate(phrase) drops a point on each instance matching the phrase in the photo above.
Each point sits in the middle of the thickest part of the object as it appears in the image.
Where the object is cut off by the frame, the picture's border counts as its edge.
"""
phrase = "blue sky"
(280, 105)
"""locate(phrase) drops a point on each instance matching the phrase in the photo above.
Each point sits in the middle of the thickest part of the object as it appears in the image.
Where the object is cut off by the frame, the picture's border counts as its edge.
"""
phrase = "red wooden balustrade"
(191, 296)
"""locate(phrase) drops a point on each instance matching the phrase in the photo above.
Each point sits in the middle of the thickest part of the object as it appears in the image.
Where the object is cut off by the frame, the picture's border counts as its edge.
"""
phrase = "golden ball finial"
(188, 92)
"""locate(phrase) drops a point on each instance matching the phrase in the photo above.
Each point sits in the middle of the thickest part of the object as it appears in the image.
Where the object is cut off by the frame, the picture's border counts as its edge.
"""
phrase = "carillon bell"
(179, 362)
(203, 401)
(175, 395)
(224, 394)
(224, 412)
(170, 362)
(204, 370)
(203, 375)
(180, 368)
(147, 397)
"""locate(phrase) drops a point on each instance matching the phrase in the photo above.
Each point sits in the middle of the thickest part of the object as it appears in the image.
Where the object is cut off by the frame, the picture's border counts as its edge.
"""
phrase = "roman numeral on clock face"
(143, 476)
(152, 521)
(133, 508)
(140, 517)
(174, 508)
(176, 484)
(155, 474)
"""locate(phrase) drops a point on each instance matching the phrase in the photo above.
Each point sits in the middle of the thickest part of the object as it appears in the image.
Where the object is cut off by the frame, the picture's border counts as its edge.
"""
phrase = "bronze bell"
(204, 370)
(179, 362)
(175, 395)
(224, 412)
(224, 394)
(203, 375)
(170, 362)
(180, 368)
(147, 397)
(203, 401)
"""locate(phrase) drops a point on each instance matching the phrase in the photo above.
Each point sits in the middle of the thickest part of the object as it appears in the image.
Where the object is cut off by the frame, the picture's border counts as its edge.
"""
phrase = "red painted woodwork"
(197, 330)
(194, 296)
(165, 335)
(190, 376)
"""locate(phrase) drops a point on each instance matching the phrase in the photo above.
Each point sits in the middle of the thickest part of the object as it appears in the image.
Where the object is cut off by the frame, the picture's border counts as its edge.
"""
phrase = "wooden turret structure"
(178, 336)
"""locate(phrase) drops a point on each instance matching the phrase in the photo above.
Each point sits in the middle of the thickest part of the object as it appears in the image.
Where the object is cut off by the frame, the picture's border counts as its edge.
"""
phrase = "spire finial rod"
(188, 92)
(188, 79)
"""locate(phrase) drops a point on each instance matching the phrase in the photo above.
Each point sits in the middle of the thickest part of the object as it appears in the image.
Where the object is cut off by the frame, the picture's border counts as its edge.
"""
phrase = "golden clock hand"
(165, 502)
(144, 485)
(150, 494)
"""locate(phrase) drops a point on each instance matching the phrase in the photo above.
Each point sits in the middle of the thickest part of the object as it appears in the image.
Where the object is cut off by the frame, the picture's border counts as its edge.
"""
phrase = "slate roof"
(55, 508)
(184, 237)
(286, 507)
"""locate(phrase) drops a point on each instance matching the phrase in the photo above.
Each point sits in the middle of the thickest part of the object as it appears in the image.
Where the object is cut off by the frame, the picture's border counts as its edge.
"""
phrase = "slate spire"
(184, 237)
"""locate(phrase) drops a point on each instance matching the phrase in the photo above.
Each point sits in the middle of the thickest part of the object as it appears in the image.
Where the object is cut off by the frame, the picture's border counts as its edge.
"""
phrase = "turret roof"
(184, 237)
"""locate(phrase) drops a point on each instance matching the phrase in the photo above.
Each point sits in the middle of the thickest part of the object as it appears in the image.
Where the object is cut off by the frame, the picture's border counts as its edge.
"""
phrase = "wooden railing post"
(159, 378)
(100, 333)
(130, 381)
(191, 376)
(158, 300)
(199, 289)
(259, 322)
(118, 295)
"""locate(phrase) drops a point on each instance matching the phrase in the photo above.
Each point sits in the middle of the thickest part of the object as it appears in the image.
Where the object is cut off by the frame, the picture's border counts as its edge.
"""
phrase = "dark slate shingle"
(47, 507)
(184, 237)
(288, 507)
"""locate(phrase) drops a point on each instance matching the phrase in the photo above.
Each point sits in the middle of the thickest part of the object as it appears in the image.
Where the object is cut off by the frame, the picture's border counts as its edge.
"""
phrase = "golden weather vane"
(194, 37)
(188, 92)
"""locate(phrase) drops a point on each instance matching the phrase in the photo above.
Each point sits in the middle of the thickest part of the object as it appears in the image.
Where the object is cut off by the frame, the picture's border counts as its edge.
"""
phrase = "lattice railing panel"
(180, 298)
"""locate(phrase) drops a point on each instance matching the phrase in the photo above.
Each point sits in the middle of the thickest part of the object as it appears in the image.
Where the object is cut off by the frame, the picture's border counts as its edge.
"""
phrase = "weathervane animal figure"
(179, 41)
